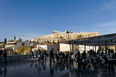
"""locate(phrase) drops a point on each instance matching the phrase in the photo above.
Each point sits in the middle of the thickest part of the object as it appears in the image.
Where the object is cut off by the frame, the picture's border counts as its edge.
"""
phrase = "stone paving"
(34, 68)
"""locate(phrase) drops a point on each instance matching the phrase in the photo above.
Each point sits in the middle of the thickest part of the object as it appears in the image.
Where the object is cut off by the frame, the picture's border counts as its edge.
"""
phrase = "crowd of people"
(96, 59)
(54, 56)
(84, 60)
(41, 55)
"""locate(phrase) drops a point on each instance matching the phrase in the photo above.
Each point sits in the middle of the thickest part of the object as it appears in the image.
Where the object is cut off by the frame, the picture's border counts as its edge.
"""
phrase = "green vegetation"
(23, 50)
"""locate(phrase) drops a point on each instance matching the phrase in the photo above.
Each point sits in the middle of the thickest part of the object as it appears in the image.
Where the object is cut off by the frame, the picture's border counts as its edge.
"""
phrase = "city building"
(57, 37)
(14, 44)
(33, 43)
(26, 43)
(66, 47)
(47, 46)
(1, 44)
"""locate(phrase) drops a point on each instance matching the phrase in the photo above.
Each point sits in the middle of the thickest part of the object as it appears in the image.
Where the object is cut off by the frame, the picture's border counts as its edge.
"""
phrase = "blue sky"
(33, 18)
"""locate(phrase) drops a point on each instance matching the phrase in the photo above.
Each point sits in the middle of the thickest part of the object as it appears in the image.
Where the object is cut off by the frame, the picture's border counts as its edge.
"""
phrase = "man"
(0, 54)
(32, 55)
(5, 56)
(45, 54)
(51, 55)
(61, 56)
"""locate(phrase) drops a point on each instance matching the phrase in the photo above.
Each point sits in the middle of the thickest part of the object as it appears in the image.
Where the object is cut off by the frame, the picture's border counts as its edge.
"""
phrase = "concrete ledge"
(16, 57)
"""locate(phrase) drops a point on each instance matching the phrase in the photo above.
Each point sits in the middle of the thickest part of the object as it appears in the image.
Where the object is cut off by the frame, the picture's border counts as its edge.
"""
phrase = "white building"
(1, 44)
(14, 44)
(27, 43)
(81, 48)
(47, 46)
(33, 43)
(64, 47)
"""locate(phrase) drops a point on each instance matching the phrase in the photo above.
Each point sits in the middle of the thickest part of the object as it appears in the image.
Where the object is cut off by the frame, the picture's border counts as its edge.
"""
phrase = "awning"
(109, 39)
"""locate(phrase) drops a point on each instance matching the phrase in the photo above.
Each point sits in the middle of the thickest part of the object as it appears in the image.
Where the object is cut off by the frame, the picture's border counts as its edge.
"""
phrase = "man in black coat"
(5, 56)
(51, 55)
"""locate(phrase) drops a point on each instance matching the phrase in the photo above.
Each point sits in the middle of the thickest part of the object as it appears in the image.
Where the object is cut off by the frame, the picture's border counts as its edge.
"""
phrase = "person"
(36, 54)
(32, 55)
(55, 56)
(78, 56)
(0, 54)
(5, 56)
(61, 56)
(84, 54)
(51, 55)
(66, 56)
(42, 56)
(39, 52)
(39, 55)
(45, 54)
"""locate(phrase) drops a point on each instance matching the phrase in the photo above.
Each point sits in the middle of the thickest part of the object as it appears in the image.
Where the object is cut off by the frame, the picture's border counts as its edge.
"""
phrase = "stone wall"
(57, 37)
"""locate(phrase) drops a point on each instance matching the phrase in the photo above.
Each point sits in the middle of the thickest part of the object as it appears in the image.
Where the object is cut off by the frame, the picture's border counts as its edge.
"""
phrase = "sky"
(27, 19)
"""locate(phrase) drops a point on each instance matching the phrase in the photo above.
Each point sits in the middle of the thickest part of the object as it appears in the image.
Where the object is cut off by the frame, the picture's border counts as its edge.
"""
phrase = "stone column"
(115, 48)
(105, 47)
(84, 47)
(95, 48)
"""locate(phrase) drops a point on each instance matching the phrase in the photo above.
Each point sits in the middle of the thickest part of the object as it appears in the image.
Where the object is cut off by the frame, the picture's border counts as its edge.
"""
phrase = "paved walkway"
(34, 68)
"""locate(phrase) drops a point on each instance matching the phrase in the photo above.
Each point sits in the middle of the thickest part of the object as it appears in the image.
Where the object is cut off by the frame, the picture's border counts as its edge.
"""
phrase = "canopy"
(109, 39)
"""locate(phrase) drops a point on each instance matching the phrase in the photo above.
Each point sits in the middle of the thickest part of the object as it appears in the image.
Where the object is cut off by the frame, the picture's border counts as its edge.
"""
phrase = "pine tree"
(5, 41)
(14, 37)
(53, 42)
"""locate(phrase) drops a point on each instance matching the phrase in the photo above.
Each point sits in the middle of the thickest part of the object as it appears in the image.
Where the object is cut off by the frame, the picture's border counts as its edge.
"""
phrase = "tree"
(14, 37)
(61, 37)
(5, 41)
(23, 50)
(79, 36)
(53, 42)
(48, 42)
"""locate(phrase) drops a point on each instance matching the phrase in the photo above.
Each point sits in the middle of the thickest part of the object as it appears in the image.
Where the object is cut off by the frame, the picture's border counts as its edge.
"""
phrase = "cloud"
(106, 27)
(107, 24)
(102, 28)
(109, 5)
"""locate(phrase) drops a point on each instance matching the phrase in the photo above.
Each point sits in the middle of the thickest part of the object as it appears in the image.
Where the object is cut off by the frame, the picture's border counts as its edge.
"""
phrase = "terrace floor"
(34, 68)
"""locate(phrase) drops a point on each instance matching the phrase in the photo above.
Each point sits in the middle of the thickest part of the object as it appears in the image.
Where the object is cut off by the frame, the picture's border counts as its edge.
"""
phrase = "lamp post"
(67, 32)
(69, 52)
(69, 42)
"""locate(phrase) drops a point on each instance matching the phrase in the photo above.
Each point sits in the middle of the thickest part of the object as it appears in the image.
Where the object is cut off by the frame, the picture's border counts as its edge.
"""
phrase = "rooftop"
(47, 44)
(97, 40)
